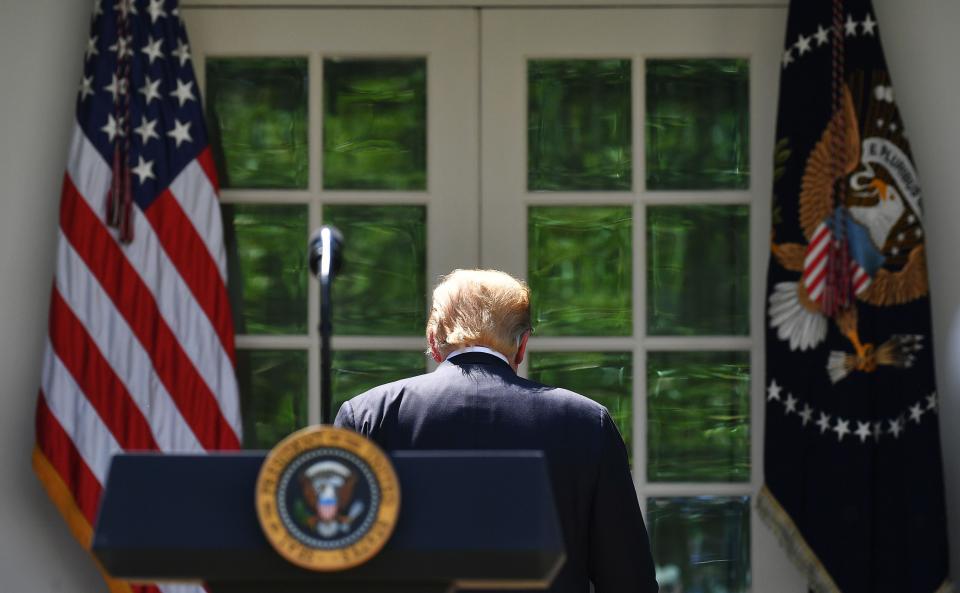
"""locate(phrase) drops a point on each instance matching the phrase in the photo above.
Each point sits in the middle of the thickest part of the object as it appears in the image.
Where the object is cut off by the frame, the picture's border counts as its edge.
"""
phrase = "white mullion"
(640, 427)
(683, 489)
(638, 88)
(758, 242)
(426, 197)
(248, 196)
(376, 198)
(639, 283)
(378, 342)
(527, 199)
(578, 344)
(315, 123)
(315, 216)
(272, 342)
(698, 343)
(578, 199)
(695, 198)
(760, 182)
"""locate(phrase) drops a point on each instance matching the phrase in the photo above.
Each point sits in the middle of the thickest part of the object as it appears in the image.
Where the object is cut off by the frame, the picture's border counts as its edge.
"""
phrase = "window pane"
(579, 268)
(605, 377)
(273, 395)
(698, 416)
(698, 124)
(579, 125)
(698, 270)
(257, 113)
(356, 371)
(375, 124)
(381, 290)
(701, 544)
(267, 267)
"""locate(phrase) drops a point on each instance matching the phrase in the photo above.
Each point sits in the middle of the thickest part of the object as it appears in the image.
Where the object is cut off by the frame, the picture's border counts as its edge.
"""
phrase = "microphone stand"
(325, 261)
(326, 329)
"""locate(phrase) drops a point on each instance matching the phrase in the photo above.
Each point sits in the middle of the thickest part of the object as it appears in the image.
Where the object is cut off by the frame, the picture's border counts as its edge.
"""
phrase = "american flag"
(140, 352)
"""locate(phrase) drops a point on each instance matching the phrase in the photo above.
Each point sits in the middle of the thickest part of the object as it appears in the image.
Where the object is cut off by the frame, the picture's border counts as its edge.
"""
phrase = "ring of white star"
(841, 427)
(804, 43)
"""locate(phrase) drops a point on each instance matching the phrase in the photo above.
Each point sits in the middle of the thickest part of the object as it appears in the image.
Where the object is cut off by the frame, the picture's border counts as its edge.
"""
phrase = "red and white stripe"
(859, 278)
(140, 352)
(816, 263)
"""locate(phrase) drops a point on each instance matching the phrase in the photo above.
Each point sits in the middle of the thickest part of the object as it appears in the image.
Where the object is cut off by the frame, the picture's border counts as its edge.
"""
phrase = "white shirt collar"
(483, 349)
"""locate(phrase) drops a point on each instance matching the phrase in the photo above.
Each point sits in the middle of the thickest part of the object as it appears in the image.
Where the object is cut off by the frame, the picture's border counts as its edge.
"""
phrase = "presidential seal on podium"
(327, 498)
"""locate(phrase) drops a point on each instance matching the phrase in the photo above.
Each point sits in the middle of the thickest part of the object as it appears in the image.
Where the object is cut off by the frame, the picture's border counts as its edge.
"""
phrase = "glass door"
(618, 159)
(626, 171)
(364, 119)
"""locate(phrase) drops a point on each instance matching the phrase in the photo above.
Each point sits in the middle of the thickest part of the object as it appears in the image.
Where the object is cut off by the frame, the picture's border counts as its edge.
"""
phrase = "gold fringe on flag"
(786, 531)
(62, 498)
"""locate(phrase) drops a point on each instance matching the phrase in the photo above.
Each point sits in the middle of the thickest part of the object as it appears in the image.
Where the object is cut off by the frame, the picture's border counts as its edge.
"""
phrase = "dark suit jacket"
(476, 401)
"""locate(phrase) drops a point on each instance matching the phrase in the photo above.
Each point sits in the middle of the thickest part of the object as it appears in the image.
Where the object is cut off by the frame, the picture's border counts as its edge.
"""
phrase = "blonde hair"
(479, 308)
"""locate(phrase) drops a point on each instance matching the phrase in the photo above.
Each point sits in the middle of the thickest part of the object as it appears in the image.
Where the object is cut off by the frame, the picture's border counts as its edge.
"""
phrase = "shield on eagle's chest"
(327, 479)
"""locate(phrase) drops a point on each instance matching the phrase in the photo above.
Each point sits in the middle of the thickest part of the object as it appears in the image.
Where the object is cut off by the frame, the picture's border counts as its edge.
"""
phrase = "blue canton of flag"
(163, 126)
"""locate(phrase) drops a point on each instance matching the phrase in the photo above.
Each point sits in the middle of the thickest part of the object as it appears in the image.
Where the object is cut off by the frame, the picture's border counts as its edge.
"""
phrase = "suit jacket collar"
(468, 358)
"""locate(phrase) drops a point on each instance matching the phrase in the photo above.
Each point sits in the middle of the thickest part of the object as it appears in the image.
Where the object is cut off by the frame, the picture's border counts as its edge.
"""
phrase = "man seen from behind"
(478, 329)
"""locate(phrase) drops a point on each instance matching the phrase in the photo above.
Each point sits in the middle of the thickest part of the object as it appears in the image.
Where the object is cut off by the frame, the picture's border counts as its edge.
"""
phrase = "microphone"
(326, 251)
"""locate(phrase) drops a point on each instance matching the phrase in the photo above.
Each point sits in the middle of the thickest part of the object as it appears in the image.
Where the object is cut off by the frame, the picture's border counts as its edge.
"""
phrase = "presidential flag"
(140, 352)
(853, 482)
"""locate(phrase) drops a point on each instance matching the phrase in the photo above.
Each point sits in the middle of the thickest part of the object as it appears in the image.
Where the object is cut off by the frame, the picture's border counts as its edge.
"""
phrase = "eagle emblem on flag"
(868, 238)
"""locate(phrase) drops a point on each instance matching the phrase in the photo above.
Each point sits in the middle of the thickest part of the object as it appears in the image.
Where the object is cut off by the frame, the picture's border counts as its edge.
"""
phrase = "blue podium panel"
(479, 518)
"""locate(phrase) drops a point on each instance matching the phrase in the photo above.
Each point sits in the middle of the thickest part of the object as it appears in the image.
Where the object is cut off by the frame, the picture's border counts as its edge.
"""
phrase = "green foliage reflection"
(580, 272)
(257, 114)
(579, 125)
(701, 544)
(273, 395)
(375, 124)
(698, 270)
(698, 416)
(267, 267)
(605, 377)
(382, 288)
(356, 371)
(698, 124)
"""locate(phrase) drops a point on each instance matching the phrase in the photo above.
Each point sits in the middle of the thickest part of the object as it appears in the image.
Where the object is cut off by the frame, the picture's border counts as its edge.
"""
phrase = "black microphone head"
(326, 237)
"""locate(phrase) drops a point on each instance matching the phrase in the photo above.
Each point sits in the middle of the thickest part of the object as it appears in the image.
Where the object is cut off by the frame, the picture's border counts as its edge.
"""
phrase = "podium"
(468, 519)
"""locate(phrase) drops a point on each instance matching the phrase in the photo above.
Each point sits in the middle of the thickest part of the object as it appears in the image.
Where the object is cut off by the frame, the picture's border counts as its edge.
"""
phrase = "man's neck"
(483, 349)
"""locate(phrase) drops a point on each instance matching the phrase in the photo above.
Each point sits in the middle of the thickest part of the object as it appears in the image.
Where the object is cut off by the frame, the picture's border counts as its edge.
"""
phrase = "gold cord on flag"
(120, 194)
(838, 290)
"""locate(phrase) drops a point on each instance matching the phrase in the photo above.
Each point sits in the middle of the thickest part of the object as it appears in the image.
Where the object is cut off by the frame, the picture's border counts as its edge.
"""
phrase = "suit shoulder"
(569, 402)
(386, 390)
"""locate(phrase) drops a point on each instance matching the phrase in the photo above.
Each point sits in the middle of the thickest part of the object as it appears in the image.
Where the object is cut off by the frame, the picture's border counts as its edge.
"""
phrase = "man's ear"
(434, 351)
(521, 349)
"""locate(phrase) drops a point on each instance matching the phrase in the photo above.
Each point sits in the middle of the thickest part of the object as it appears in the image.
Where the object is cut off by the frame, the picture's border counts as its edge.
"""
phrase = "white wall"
(922, 43)
(41, 43)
